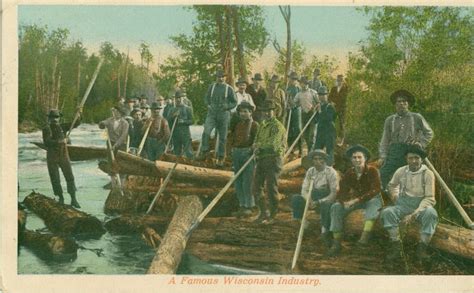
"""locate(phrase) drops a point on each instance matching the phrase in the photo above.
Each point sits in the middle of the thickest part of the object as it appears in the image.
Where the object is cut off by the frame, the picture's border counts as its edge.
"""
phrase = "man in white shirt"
(412, 187)
(307, 99)
(241, 95)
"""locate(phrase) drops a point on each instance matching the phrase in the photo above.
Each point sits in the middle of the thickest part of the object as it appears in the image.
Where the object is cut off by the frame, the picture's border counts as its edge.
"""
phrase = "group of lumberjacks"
(253, 119)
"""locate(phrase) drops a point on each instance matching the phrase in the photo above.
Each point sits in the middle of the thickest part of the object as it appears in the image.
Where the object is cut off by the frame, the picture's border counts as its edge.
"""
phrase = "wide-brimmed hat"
(220, 73)
(245, 105)
(156, 105)
(402, 93)
(131, 100)
(120, 109)
(179, 94)
(340, 77)
(317, 70)
(322, 90)
(267, 105)
(416, 149)
(293, 75)
(304, 80)
(135, 111)
(54, 113)
(275, 78)
(257, 76)
(241, 81)
(307, 161)
(358, 148)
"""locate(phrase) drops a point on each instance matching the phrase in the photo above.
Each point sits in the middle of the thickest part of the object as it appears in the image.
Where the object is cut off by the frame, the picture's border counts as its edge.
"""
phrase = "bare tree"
(286, 13)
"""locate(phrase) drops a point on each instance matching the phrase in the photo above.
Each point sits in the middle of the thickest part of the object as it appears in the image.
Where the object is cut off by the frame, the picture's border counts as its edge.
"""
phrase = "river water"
(121, 254)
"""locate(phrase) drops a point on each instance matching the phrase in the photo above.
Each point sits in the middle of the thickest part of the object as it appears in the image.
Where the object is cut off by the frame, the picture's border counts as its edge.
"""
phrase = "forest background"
(426, 50)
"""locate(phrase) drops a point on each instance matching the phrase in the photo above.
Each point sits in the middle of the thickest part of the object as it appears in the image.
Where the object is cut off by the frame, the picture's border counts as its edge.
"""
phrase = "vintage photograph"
(245, 145)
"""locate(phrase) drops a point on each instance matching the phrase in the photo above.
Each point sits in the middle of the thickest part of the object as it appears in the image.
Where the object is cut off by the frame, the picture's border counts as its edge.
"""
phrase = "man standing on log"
(181, 136)
(57, 155)
(338, 96)
(401, 130)
(259, 95)
(241, 95)
(295, 116)
(359, 189)
(325, 187)
(326, 128)
(277, 95)
(308, 100)
(412, 188)
(158, 134)
(242, 137)
(269, 148)
(117, 129)
(220, 99)
(135, 130)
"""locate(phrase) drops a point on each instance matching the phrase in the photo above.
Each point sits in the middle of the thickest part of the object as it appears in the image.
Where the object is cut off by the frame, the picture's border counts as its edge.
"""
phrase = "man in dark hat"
(181, 136)
(401, 130)
(220, 99)
(326, 129)
(412, 187)
(241, 138)
(338, 96)
(308, 101)
(158, 134)
(359, 189)
(295, 117)
(131, 102)
(57, 155)
(315, 83)
(323, 194)
(277, 95)
(269, 148)
(117, 128)
(259, 95)
(135, 130)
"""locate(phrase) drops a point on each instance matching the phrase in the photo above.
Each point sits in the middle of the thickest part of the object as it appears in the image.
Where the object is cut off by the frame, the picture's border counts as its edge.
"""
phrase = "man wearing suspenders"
(413, 189)
(220, 99)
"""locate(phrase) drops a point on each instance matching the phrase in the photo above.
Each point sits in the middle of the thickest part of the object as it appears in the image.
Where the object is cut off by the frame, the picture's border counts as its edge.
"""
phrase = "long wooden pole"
(142, 143)
(299, 136)
(162, 188)
(86, 94)
(288, 124)
(171, 134)
(115, 178)
(451, 196)
(303, 221)
(219, 195)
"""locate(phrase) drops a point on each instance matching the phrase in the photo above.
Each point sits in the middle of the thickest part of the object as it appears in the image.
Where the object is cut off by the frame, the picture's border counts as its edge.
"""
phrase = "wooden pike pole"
(451, 196)
(303, 221)
(115, 178)
(162, 188)
(288, 125)
(142, 143)
(171, 134)
(86, 94)
(219, 196)
(299, 136)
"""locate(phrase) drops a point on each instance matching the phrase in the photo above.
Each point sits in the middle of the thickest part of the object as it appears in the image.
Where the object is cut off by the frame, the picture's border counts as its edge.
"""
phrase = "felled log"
(50, 246)
(81, 153)
(291, 166)
(63, 219)
(168, 255)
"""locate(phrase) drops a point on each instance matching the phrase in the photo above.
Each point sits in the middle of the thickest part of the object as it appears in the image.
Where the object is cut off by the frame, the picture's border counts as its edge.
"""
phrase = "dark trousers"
(53, 170)
(308, 134)
(298, 203)
(182, 141)
(394, 160)
(326, 138)
(295, 128)
(266, 174)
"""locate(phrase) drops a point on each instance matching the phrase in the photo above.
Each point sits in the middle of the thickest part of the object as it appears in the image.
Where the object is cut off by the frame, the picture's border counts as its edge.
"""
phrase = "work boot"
(422, 252)
(335, 248)
(364, 238)
(238, 213)
(264, 215)
(395, 251)
(220, 163)
(326, 239)
(61, 199)
(201, 156)
(246, 213)
(74, 202)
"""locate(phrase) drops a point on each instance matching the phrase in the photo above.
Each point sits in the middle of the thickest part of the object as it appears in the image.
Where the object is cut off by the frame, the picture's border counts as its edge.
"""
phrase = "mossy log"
(63, 219)
(169, 253)
(50, 246)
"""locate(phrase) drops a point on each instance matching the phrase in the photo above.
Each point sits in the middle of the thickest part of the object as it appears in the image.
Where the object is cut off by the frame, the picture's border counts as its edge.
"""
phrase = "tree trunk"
(221, 34)
(238, 43)
(126, 77)
(229, 62)
(286, 12)
(63, 219)
(118, 82)
(78, 83)
(168, 255)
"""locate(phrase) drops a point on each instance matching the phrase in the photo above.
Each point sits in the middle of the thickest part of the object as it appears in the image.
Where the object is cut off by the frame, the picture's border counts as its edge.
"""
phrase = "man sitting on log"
(241, 138)
(325, 186)
(57, 155)
(269, 148)
(117, 129)
(158, 134)
(412, 189)
(359, 189)
(181, 136)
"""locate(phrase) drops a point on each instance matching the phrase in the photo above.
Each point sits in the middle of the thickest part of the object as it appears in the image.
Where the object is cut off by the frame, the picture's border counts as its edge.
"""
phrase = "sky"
(323, 29)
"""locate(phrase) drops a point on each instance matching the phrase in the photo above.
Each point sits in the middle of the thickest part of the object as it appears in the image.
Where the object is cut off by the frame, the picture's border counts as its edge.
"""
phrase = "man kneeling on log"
(359, 189)
(412, 189)
(325, 186)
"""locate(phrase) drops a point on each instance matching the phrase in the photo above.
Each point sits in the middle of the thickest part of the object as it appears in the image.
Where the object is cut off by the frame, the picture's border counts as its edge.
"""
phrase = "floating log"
(81, 153)
(49, 246)
(168, 255)
(63, 219)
